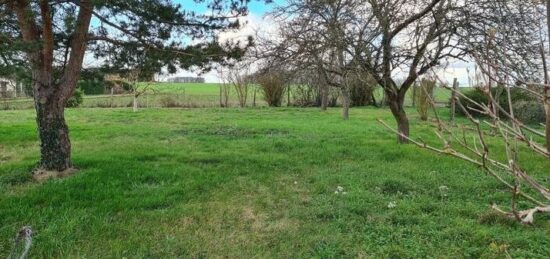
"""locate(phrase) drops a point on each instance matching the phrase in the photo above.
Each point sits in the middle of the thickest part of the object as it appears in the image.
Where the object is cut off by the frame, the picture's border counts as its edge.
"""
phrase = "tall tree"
(316, 36)
(53, 37)
(406, 39)
(384, 39)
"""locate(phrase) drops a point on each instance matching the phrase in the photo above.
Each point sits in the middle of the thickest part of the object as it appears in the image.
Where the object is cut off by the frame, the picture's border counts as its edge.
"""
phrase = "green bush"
(500, 94)
(92, 87)
(169, 102)
(362, 90)
(75, 100)
(529, 112)
(273, 85)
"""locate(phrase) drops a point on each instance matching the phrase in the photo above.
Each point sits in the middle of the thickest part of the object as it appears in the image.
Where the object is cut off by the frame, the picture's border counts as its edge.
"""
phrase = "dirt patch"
(41, 175)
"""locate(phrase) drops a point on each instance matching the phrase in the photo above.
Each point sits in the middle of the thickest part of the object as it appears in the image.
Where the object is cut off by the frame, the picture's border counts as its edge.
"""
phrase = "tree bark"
(55, 146)
(345, 103)
(396, 107)
(547, 108)
(324, 97)
(547, 88)
(49, 97)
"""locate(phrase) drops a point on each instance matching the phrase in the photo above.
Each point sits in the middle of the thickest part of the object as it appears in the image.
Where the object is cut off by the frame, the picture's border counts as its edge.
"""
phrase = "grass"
(202, 183)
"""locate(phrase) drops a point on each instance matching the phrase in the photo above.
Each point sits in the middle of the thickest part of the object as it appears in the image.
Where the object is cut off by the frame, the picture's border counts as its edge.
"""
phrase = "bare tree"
(273, 83)
(405, 37)
(315, 39)
(238, 76)
(138, 88)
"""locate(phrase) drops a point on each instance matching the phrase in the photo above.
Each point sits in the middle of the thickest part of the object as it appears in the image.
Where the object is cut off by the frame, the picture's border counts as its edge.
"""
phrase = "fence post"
(288, 96)
(453, 99)
(414, 86)
(254, 100)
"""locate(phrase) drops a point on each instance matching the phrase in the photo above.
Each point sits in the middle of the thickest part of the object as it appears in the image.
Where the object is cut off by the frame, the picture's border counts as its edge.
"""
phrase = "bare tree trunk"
(135, 103)
(345, 103)
(324, 97)
(547, 88)
(547, 109)
(55, 146)
(396, 107)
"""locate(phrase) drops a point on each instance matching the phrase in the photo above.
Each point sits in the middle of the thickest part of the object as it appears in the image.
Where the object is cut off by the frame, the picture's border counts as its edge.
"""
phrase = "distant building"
(8, 88)
(186, 79)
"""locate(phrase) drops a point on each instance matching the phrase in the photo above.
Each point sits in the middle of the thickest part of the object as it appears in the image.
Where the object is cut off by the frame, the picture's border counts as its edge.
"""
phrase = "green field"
(254, 182)
(188, 95)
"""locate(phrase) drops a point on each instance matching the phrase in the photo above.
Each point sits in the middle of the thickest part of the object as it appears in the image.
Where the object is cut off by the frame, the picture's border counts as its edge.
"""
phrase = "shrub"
(273, 86)
(529, 112)
(423, 95)
(306, 95)
(75, 100)
(118, 86)
(168, 102)
(92, 87)
(477, 95)
(362, 90)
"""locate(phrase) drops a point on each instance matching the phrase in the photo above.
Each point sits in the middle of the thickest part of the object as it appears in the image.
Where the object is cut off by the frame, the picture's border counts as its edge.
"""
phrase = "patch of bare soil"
(41, 175)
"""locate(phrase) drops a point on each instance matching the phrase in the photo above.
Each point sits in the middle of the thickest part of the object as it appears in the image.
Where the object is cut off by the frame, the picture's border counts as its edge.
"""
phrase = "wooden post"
(453, 99)
(221, 99)
(414, 95)
(288, 95)
(254, 99)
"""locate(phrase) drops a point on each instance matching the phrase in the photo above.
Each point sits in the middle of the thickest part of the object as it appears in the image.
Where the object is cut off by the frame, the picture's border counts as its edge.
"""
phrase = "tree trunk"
(345, 103)
(324, 97)
(547, 108)
(547, 88)
(135, 104)
(55, 146)
(396, 107)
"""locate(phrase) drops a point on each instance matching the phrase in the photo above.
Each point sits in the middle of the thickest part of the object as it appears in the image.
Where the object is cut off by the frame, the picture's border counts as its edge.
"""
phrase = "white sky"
(253, 22)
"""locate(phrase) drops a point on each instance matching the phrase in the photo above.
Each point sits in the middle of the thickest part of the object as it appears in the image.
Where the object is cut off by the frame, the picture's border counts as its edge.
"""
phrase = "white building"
(8, 88)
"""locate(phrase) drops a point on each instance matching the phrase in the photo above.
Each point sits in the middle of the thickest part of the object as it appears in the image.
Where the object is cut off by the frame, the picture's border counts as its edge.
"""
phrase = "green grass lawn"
(203, 183)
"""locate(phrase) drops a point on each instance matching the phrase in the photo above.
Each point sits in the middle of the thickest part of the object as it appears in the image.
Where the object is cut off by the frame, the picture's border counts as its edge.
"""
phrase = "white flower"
(295, 182)
(443, 190)
(392, 205)
(340, 190)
